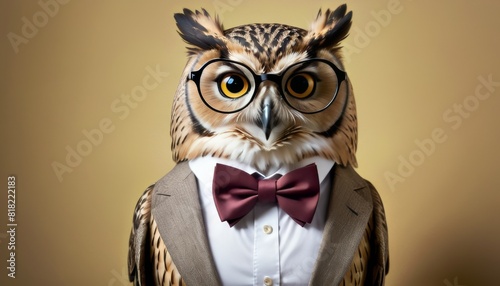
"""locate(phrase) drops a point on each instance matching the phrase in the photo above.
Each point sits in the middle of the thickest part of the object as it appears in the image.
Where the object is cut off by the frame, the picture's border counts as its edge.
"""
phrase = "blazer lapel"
(349, 209)
(177, 211)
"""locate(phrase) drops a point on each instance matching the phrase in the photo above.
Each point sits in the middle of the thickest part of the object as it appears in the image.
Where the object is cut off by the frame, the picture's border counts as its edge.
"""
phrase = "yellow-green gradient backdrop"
(428, 126)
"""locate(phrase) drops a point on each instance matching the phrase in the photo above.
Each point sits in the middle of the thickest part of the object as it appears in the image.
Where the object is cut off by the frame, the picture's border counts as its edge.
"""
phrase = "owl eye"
(233, 85)
(301, 85)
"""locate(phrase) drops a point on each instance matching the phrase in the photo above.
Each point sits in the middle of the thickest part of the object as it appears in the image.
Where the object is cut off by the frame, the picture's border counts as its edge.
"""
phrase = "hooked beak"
(267, 117)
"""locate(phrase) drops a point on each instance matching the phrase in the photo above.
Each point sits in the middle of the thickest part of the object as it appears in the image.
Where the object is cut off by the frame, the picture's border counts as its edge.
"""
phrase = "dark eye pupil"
(299, 84)
(235, 84)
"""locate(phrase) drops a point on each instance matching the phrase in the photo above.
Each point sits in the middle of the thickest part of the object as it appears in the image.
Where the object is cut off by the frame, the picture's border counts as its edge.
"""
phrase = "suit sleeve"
(379, 242)
(139, 255)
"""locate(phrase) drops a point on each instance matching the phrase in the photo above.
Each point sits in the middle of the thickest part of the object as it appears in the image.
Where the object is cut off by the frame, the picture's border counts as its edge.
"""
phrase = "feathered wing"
(379, 242)
(140, 268)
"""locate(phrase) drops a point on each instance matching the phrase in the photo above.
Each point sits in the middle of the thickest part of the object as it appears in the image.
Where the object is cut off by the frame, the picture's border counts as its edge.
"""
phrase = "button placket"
(266, 245)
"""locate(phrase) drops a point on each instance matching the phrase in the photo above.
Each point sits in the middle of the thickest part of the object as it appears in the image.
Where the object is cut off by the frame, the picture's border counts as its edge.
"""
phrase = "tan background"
(408, 72)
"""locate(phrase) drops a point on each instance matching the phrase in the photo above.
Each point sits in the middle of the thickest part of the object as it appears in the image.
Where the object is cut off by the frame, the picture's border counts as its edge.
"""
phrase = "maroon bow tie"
(236, 193)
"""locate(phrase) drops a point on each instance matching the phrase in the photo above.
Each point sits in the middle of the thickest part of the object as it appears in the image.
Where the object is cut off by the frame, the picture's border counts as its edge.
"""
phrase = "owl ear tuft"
(200, 30)
(329, 28)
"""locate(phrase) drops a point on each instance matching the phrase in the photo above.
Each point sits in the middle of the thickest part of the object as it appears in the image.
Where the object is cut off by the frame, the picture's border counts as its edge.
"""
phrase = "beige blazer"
(355, 226)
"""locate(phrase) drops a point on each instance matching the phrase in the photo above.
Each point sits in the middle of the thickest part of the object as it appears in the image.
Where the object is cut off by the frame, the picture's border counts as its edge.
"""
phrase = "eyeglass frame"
(195, 76)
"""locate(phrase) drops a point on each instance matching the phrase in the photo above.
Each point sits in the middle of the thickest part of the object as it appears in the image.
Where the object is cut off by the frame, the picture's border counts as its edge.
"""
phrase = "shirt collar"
(203, 167)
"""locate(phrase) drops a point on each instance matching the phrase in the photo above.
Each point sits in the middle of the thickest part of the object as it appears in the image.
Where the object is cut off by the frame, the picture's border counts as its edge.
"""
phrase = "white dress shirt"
(266, 247)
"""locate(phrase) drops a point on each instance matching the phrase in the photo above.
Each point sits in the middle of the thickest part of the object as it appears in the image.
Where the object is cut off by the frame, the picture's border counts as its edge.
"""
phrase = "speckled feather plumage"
(267, 42)
(265, 48)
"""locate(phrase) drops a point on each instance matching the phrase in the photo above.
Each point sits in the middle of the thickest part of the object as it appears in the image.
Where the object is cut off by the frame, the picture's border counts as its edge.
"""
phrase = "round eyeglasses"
(309, 86)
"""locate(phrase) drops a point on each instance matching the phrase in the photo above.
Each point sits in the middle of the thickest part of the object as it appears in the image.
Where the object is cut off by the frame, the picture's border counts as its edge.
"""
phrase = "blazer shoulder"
(346, 177)
(179, 173)
(172, 182)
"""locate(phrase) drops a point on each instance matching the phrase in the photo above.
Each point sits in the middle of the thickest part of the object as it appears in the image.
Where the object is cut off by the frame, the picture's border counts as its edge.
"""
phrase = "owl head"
(264, 94)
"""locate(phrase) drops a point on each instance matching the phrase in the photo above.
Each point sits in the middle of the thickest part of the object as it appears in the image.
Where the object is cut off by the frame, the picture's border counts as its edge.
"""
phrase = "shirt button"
(268, 230)
(268, 281)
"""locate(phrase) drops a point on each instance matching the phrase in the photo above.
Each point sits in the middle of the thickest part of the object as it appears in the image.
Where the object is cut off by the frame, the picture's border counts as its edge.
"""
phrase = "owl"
(268, 101)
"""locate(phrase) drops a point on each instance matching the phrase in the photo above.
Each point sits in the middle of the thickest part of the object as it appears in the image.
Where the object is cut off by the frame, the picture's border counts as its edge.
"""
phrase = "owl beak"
(267, 117)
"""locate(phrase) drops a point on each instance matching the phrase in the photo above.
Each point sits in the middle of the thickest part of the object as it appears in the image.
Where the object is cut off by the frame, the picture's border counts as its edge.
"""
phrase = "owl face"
(264, 94)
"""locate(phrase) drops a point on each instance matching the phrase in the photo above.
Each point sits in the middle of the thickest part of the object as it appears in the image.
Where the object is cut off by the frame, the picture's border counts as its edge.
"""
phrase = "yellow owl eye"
(301, 85)
(233, 85)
